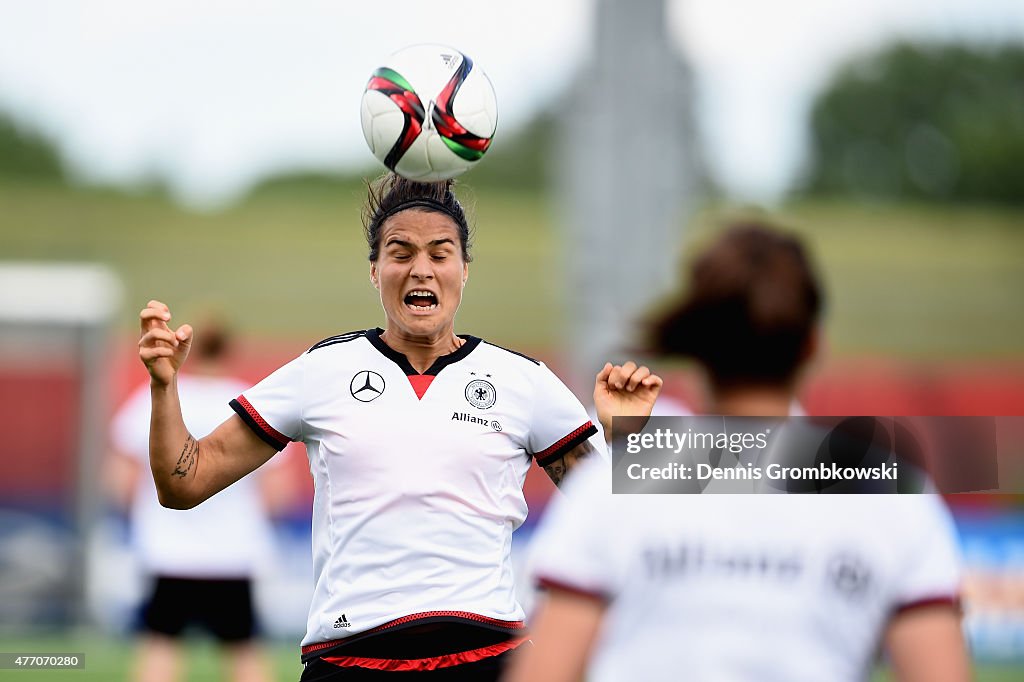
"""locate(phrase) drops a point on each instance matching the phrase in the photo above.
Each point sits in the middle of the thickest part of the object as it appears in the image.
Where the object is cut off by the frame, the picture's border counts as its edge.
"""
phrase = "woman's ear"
(373, 276)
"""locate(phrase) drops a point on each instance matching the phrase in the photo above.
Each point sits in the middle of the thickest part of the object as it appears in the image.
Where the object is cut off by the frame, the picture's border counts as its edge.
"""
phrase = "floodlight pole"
(627, 176)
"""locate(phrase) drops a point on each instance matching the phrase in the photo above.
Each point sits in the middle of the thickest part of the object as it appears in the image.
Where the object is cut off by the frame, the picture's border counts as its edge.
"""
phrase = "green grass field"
(109, 660)
(907, 281)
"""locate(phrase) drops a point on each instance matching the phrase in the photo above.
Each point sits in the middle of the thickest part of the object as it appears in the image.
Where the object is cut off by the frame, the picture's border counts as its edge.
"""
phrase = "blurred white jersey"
(224, 537)
(418, 477)
(742, 587)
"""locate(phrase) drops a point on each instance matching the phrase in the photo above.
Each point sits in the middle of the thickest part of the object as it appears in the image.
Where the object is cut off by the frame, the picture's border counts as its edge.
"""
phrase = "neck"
(751, 402)
(422, 352)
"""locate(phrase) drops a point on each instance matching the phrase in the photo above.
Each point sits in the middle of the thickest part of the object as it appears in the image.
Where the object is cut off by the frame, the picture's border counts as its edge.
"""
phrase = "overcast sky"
(215, 94)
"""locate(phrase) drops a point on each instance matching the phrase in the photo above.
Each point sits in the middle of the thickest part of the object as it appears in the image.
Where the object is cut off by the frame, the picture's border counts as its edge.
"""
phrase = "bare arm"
(557, 469)
(563, 633)
(926, 644)
(187, 471)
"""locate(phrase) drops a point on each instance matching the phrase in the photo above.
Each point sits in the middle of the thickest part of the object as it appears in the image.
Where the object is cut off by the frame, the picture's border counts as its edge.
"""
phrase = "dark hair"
(391, 194)
(213, 339)
(752, 303)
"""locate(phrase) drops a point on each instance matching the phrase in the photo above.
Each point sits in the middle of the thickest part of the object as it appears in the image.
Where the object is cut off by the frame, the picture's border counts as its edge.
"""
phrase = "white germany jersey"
(743, 587)
(418, 477)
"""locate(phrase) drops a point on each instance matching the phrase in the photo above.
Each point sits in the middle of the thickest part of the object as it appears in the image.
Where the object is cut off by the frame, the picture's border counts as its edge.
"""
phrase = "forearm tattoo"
(188, 458)
(558, 468)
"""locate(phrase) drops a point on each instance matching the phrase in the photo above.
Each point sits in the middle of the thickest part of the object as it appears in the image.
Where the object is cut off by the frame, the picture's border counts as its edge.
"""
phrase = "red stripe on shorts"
(423, 664)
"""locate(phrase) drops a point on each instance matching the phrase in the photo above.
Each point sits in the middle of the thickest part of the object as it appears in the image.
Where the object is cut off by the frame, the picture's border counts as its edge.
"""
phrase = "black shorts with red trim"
(221, 607)
(424, 648)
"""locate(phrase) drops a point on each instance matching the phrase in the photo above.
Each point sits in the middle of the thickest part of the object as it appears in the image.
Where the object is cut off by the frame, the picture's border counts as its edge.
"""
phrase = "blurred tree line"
(25, 153)
(923, 122)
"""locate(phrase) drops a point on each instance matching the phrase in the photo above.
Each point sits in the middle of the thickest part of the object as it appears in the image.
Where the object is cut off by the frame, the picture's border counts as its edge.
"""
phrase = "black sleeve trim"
(951, 601)
(559, 448)
(553, 585)
(259, 426)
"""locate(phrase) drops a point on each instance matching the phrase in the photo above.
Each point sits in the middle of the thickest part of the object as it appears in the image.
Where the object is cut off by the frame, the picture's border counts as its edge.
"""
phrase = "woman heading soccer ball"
(419, 440)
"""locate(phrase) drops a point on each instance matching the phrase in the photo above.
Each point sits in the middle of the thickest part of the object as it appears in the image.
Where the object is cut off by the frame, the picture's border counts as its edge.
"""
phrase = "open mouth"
(421, 301)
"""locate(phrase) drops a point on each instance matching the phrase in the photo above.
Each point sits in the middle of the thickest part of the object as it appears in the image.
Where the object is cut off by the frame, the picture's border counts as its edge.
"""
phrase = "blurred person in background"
(419, 441)
(733, 586)
(199, 564)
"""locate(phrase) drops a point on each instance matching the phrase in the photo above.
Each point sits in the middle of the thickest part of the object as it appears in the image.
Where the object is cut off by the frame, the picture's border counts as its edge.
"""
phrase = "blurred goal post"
(54, 324)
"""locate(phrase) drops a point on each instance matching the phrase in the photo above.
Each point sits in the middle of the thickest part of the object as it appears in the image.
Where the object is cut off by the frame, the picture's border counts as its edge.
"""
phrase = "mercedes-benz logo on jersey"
(481, 393)
(366, 386)
(849, 575)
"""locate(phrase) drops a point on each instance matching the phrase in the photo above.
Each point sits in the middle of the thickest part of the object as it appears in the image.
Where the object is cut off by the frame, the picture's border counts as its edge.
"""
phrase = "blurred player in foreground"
(419, 441)
(752, 587)
(200, 563)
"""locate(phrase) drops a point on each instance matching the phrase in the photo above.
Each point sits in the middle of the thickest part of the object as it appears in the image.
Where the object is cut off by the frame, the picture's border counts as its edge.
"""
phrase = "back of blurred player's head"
(750, 310)
(213, 340)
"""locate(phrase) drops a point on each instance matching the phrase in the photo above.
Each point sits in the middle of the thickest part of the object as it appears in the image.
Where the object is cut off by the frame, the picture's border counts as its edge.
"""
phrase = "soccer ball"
(429, 113)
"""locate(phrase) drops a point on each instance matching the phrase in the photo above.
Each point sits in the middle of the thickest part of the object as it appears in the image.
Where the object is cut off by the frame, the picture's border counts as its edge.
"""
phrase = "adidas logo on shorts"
(342, 622)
